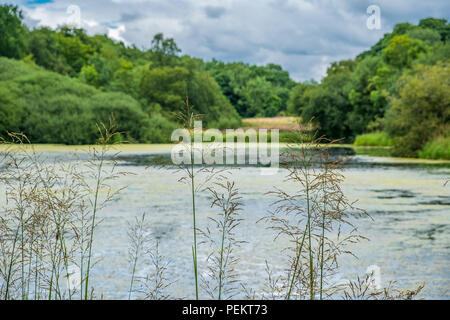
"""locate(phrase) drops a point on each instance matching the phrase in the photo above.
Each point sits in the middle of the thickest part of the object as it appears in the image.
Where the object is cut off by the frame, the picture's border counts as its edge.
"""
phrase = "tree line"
(56, 84)
(399, 88)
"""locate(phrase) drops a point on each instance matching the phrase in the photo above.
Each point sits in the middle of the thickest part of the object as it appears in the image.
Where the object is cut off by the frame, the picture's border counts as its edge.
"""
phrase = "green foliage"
(12, 32)
(161, 129)
(438, 148)
(54, 109)
(428, 36)
(439, 25)
(73, 49)
(253, 90)
(89, 75)
(44, 48)
(144, 89)
(440, 52)
(165, 50)
(158, 79)
(207, 99)
(166, 86)
(422, 109)
(329, 105)
(124, 78)
(382, 90)
(374, 139)
(402, 51)
(11, 112)
(298, 97)
(259, 99)
(366, 95)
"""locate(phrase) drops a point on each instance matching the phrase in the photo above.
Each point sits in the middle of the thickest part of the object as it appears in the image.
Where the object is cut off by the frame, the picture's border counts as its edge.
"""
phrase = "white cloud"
(116, 33)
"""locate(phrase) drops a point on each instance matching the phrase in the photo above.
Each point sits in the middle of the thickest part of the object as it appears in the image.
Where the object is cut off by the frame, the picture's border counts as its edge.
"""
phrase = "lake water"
(409, 235)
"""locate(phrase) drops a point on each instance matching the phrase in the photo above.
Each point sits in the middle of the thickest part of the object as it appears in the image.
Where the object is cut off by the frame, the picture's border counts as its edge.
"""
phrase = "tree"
(166, 86)
(328, 104)
(402, 51)
(45, 50)
(298, 97)
(239, 83)
(165, 50)
(428, 36)
(365, 107)
(89, 75)
(124, 79)
(11, 112)
(422, 109)
(51, 108)
(75, 52)
(439, 25)
(13, 42)
(206, 97)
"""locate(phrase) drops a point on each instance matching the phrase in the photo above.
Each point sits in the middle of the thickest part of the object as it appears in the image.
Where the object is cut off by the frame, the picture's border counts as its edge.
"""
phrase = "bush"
(422, 109)
(160, 129)
(57, 109)
(438, 148)
(374, 139)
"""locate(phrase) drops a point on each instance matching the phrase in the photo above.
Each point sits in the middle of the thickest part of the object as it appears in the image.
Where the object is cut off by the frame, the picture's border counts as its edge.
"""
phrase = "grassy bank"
(280, 123)
(436, 149)
(373, 139)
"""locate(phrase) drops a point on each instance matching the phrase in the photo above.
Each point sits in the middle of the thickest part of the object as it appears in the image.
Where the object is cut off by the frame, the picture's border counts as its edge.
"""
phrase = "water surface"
(407, 199)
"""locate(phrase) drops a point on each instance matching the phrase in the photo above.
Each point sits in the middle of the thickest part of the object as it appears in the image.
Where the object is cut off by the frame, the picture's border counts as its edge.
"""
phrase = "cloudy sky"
(304, 36)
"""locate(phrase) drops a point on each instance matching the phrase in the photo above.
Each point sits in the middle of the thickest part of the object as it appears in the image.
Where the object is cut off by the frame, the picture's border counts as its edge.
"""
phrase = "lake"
(407, 199)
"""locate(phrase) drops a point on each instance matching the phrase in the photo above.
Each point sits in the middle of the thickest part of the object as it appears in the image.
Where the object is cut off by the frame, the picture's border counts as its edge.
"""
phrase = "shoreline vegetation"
(375, 151)
(57, 84)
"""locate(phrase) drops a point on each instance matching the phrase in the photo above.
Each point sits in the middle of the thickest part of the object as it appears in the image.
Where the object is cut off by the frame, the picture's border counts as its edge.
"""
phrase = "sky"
(303, 36)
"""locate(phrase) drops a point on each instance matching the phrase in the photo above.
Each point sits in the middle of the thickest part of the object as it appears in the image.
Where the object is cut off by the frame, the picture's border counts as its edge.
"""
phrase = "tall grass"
(142, 252)
(362, 289)
(438, 148)
(305, 217)
(137, 236)
(47, 224)
(221, 280)
(187, 119)
(108, 136)
(197, 178)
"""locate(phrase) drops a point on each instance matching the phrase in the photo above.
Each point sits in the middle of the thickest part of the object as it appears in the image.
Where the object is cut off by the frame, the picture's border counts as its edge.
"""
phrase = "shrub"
(378, 139)
(50, 108)
(438, 148)
(422, 109)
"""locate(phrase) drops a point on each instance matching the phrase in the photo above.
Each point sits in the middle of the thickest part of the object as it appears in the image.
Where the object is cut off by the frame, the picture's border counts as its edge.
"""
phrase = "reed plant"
(363, 289)
(36, 222)
(103, 176)
(47, 223)
(144, 252)
(221, 280)
(137, 237)
(311, 219)
(198, 178)
(155, 284)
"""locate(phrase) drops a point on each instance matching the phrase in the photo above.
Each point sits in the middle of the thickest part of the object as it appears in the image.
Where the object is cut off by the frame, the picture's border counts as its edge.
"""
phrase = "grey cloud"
(214, 12)
(130, 17)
